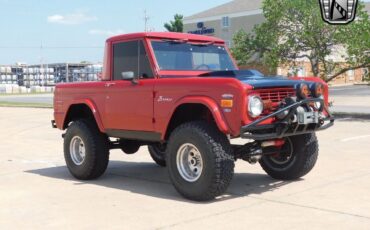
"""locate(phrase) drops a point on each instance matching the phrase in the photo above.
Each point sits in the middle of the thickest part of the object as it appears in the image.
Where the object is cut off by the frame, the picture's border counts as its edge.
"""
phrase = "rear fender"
(93, 109)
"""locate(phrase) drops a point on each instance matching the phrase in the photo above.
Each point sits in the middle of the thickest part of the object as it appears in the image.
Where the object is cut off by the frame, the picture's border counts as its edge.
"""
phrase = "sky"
(75, 30)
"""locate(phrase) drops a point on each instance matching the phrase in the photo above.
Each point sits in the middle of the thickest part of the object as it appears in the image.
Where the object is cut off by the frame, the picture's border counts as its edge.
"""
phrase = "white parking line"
(354, 138)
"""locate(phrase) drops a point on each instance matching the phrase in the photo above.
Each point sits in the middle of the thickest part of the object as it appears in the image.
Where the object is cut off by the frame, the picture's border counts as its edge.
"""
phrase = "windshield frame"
(190, 72)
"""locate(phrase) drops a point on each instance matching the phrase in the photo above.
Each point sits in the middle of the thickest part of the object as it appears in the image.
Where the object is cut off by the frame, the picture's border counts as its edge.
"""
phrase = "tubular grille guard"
(282, 128)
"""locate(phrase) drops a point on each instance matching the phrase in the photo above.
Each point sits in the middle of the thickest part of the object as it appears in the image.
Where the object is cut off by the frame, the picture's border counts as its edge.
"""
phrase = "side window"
(144, 65)
(125, 59)
(225, 22)
(131, 57)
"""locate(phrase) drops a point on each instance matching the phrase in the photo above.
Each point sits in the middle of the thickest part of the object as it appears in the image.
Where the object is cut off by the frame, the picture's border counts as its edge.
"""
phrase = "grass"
(24, 105)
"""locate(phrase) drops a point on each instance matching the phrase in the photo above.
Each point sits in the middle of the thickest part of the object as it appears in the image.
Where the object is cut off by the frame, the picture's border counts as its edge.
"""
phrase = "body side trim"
(134, 135)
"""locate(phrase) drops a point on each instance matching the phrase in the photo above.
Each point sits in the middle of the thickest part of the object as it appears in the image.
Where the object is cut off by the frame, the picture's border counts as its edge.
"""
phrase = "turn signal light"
(226, 103)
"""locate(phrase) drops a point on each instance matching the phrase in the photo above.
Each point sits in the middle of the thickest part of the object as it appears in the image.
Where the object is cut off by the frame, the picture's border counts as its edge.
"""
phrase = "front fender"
(211, 105)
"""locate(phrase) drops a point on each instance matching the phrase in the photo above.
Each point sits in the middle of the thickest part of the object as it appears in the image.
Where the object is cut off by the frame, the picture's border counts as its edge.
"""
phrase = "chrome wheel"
(189, 162)
(77, 150)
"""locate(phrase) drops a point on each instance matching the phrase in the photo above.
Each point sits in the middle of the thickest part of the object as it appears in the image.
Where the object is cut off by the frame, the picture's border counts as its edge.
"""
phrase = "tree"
(294, 30)
(177, 25)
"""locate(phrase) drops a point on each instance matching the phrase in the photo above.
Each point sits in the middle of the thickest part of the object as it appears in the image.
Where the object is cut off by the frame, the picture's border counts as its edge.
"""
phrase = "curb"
(339, 85)
(25, 105)
(348, 84)
(365, 116)
(363, 83)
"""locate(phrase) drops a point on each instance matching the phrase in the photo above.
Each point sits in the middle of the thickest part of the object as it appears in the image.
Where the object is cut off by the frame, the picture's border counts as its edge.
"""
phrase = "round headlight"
(303, 91)
(255, 106)
(317, 90)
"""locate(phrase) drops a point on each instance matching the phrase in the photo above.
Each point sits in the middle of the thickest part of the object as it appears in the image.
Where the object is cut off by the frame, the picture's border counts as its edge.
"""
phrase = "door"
(129, 106)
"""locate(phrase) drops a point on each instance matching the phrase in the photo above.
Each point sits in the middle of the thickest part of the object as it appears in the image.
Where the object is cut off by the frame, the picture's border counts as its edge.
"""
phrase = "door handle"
(109, 84)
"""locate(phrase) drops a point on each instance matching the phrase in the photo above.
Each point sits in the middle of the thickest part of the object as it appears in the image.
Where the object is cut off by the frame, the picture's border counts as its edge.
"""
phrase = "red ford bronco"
(184, 97)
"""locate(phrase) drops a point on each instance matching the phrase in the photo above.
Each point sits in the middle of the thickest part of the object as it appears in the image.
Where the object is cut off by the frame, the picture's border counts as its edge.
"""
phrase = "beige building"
(225, 20)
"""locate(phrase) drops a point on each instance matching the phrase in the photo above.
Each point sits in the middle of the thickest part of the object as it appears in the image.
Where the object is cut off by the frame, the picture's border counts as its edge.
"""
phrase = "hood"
(256, 79)
(271, 82)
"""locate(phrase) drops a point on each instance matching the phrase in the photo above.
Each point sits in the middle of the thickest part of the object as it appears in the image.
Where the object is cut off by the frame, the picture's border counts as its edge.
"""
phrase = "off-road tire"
(305, 153)
(158, 155)
(216, 153)
(96, 150)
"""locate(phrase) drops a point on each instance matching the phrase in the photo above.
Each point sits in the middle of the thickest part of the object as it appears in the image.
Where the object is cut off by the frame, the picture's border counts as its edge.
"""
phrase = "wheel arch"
(202, 108)
(82, 109)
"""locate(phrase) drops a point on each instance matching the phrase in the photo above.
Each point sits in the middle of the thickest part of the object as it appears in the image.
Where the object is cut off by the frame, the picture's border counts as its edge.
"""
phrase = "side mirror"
(129, 76)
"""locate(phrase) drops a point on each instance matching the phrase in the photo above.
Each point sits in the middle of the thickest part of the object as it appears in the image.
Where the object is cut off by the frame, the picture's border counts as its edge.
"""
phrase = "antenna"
(146, 19)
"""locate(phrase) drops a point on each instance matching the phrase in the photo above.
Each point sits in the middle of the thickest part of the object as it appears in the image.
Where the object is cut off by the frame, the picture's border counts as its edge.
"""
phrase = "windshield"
(172, 55)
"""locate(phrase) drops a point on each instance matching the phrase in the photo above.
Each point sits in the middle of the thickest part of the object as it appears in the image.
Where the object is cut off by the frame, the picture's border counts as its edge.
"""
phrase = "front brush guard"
(284, 127)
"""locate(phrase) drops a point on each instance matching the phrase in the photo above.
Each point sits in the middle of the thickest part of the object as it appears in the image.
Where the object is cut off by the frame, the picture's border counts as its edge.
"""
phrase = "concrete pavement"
(37, 192)
(350, 104)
